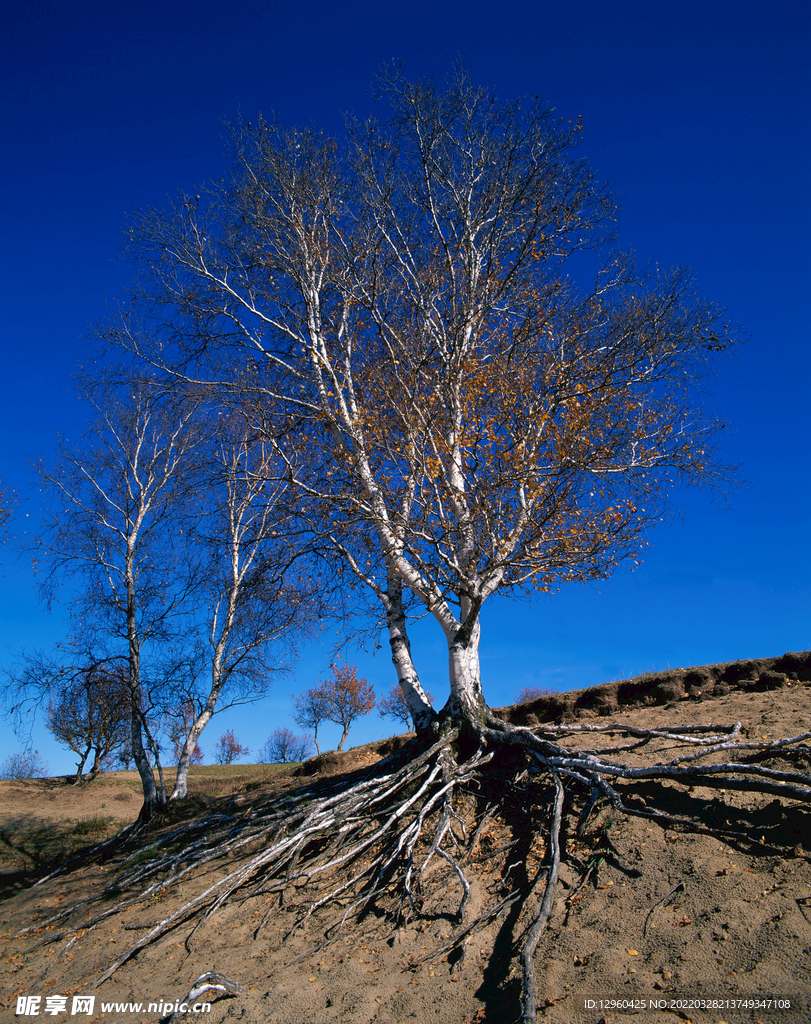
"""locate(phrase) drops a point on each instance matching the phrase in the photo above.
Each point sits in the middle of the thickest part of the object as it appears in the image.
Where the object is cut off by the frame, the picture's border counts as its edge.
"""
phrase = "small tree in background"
(283, 746)
(394, 705)
(122, 759)
(90, 713)
(341, 700)
(531, 693)
(228, 748)
(311, 711)
(24, 765)
(346, 698)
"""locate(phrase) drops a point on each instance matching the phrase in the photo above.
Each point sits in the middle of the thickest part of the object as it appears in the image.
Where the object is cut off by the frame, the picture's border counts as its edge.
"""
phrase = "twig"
(466, 932)
(654, 910)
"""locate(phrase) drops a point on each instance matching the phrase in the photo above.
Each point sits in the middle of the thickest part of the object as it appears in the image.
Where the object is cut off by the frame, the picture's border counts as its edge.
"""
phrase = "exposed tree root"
(411, 837)
(211, 985)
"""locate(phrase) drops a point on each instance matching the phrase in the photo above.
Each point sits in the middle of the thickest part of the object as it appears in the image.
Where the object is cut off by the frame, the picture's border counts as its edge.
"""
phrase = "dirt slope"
(663, 915)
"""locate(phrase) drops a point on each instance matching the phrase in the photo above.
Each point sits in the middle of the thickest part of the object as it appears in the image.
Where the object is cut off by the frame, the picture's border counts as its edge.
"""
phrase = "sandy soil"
(664, 916)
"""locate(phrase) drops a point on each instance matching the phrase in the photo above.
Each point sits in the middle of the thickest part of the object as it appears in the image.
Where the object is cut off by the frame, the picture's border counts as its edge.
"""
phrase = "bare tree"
(258, 589)
(284, 745)
(493, 426)
(167, 503)
(23, 765)
(89, 713)
(394, 705)
(113, 530)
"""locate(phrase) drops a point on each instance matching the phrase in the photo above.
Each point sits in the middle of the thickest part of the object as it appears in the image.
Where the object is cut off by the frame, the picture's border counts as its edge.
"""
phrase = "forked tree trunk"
(98, 757)
(78, 779)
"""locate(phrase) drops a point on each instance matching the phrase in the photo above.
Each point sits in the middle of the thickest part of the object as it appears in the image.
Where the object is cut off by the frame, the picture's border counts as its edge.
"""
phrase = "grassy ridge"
(44, 822)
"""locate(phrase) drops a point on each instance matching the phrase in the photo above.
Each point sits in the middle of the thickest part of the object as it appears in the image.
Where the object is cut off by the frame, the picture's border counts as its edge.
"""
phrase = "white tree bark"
(466, 702)
(419, 707)
(254, 603)
(181, 788)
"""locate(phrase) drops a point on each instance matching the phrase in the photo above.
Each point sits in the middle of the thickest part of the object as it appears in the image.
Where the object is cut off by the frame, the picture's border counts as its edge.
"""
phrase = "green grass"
(93, 825)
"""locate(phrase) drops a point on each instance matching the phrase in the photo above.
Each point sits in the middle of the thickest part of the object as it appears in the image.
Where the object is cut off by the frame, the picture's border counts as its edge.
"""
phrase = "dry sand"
(737, 926)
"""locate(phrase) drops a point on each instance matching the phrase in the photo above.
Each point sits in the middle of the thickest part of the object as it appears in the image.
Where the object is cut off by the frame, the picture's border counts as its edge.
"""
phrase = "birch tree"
(112, 530)
(492, 422)
(259, 591)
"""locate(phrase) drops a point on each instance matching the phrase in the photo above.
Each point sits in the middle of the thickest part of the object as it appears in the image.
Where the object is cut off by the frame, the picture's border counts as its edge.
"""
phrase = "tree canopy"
(474, 389)
(340, 699)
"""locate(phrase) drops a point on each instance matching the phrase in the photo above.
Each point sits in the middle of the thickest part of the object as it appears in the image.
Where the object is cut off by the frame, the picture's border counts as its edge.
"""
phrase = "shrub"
(24, 765)
(530, 693)
(283, 746)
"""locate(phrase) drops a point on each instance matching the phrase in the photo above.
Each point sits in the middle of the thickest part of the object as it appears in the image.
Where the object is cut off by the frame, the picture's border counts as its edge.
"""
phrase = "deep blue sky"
(696, 112)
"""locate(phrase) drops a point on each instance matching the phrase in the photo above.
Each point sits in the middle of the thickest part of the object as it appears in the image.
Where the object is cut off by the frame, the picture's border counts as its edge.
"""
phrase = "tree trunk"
(96, 766)
(422, 714)
(466, 704)
(219, 677)
(159, 766)
(151, 804)
(77, 781)
(181, 791)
